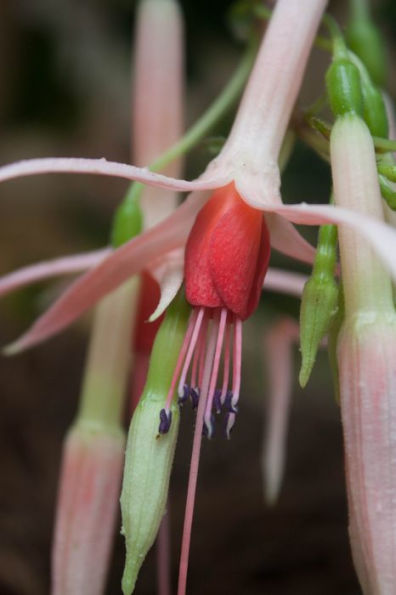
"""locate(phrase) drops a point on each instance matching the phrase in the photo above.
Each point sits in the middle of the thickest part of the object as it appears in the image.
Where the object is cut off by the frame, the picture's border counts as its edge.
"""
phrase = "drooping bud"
(149, 455)
(366, 351)
(87, 507)
(319, 300)
(93, 455)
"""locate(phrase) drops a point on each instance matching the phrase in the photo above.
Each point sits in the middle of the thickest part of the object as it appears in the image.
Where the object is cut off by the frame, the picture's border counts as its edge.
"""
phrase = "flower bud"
(319, 300)
(343, 88)
(149, 455)
(148, 463)
(86, 511)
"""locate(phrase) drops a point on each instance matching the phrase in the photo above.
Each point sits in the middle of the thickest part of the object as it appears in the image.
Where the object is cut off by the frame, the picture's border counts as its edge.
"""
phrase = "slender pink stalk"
(278, 358)
(163, 556)
(192, 481)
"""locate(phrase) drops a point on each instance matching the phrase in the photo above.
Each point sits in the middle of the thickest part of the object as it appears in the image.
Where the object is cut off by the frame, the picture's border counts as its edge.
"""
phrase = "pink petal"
(169, 273)
(381, 236)
(286, 239)
(51, 268)
(278, 361)
(68, 165)
(285, 282)
(128, 260)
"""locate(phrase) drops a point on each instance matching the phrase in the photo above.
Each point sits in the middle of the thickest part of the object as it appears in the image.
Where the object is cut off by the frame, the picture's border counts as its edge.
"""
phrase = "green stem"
(107, 363)
(384, 145)
(359, 10)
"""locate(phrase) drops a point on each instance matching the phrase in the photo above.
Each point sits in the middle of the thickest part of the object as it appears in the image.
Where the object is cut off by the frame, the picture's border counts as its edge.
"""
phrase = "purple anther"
(165, 421)
(217, 400)
(194, 395)
(186, 393)
(228, 403)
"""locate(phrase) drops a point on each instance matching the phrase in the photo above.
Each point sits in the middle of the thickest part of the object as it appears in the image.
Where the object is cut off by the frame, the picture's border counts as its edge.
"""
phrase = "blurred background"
(65, 91)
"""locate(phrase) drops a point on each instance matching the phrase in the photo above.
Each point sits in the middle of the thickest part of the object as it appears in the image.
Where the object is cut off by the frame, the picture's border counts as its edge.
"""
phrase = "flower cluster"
(209, 258)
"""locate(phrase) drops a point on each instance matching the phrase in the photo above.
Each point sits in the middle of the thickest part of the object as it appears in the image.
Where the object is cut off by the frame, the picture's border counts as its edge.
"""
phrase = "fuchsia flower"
(248, 159)
(227, 255)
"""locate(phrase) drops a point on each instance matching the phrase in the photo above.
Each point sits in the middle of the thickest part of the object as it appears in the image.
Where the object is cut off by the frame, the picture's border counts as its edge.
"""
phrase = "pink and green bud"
(366, 352)
(87, 509)
(319, 300)
(149, 454)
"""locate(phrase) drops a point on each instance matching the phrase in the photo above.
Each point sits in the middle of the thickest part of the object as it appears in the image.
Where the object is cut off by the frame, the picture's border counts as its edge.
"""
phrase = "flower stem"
(107, 364)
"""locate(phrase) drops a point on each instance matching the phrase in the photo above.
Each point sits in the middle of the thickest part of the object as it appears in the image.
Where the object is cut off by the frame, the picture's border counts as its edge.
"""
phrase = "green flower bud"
(374, 111)
(128, 218)
(343, 88)
(365, 40)
(149, 455)
(149, 458)
(319, 301)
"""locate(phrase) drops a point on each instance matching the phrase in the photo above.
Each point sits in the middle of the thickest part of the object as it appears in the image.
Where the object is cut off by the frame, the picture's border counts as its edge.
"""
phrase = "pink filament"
(163, 556)
(227, 365)
(190, 351)
(192, 481)
(236, 372)
(186, 342)
(216, 364)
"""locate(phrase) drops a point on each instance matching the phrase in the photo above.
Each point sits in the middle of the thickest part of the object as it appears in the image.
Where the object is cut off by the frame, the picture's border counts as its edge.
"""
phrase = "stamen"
(202, 350)
(226, 364)
(190, 328)
(236, 374)
(192, 481)
(190, 351)
(219, 328)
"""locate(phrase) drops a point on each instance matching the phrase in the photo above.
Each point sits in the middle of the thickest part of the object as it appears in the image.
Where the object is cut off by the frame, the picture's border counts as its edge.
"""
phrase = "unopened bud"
(319, 301)
(87, 509)
(149, 454)
(148, 463)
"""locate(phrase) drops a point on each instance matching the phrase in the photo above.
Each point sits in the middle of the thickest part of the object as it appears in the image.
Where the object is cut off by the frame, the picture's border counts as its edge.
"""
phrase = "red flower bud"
(227, 254)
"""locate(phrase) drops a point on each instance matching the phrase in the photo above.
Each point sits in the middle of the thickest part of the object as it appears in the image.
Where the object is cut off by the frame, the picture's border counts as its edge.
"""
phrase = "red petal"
(227, 254)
